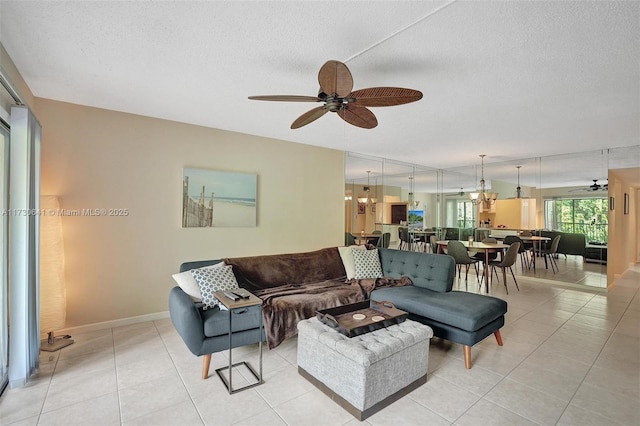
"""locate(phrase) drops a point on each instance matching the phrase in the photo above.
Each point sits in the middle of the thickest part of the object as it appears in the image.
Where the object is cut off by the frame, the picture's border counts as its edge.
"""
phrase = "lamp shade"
(53, 303)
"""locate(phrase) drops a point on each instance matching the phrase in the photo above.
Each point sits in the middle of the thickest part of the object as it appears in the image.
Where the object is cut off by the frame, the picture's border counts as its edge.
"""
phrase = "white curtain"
(24, 205)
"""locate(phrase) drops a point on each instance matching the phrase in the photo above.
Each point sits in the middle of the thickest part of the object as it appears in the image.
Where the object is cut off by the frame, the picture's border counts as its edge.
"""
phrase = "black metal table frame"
(258, 376)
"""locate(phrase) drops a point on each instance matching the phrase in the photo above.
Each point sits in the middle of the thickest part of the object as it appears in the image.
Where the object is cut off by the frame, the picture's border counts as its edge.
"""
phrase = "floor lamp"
(53, 302)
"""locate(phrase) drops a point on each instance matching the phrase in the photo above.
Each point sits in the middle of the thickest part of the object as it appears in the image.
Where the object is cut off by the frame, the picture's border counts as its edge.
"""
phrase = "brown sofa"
(294, 286)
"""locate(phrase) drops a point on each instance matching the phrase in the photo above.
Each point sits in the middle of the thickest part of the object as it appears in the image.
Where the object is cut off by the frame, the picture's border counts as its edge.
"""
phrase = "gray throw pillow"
(367, 263)
(211, 280)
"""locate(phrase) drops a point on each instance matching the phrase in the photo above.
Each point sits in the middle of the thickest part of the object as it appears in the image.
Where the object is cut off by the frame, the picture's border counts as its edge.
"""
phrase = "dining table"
(421, 236)
(478, 246)
(364, 238)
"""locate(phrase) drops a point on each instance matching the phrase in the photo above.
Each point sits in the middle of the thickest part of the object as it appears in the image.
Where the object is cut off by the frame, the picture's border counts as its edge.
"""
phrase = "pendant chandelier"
(413, 203)
(519, 193)
(365, 199)
(483, 197)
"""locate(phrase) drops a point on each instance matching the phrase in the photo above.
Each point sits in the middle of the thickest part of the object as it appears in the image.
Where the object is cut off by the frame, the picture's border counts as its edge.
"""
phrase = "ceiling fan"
(595, 186)
(457, 194)
(336, 91)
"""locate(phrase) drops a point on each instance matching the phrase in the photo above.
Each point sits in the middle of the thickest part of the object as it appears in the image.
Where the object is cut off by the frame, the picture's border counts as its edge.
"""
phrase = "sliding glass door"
(4, 308)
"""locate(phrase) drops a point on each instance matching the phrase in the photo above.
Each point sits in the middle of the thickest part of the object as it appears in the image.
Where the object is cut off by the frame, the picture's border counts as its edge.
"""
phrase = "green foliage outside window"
(588, 216)
(466, 214)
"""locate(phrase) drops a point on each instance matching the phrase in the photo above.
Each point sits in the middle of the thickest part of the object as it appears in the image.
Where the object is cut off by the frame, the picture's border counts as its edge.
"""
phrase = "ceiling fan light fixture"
(336, 91)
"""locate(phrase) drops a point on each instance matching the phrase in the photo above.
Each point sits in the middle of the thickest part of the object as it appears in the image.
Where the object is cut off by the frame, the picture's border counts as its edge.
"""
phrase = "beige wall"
(622, 247)
(120, 267)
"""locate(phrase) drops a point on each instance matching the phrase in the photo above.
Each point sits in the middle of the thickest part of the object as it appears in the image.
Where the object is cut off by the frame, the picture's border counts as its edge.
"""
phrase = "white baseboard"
(114, 323)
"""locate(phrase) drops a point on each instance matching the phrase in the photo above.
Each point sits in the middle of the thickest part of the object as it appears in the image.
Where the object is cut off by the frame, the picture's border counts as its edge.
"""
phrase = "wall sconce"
(53, 302)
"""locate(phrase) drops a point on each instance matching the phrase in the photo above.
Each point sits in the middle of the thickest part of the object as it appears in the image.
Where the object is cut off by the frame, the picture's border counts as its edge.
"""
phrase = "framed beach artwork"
(212, 198)
(416, 218)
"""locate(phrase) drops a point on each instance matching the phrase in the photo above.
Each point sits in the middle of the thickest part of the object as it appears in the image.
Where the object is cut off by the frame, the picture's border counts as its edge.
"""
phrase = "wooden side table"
(232, 305)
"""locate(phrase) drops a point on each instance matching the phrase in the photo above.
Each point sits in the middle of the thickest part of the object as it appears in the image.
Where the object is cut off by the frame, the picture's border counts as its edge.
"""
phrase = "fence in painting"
(196, 213)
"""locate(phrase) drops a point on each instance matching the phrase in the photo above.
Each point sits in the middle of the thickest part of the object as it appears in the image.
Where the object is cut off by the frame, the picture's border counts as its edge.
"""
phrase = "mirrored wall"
(564, 193)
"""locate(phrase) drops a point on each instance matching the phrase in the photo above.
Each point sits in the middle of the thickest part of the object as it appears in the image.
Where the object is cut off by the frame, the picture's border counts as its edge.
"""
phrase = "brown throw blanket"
(284, 306)
(367, 285)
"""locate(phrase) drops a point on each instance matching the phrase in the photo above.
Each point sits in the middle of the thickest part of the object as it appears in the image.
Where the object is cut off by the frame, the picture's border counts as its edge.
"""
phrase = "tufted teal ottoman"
(368, 372)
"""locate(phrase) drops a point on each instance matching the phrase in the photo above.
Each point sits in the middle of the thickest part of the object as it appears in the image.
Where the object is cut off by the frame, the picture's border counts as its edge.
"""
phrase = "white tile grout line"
(173, 362)
(599, 353)
(505, 376)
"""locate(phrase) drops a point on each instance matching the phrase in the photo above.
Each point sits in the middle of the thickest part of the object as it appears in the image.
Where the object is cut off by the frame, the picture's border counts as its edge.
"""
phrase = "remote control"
(231, 295)
(240, 293)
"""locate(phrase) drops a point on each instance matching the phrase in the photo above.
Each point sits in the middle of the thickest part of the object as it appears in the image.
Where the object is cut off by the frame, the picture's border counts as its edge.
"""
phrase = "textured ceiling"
(514, 80)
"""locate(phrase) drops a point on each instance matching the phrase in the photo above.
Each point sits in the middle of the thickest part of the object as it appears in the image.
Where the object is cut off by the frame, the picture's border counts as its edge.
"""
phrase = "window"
(466, 214)
(588, 216)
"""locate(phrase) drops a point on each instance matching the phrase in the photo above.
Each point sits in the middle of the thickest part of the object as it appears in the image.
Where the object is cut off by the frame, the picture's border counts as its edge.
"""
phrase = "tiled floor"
(570, 357)
(571, 269)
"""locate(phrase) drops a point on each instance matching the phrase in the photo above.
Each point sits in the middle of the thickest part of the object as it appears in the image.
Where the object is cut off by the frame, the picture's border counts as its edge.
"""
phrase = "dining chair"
(507, 262)
(433, 240)
(523, 252)
(551, 254)
(349, 240)
(376, 239)
(480, 255)
(528, 245)
(405, 238)
(402, 238)
(481, 235)
(384, 240)
(458, 251)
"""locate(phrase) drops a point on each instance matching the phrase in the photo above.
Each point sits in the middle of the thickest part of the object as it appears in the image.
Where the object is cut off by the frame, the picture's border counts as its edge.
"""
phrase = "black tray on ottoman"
(377, 315)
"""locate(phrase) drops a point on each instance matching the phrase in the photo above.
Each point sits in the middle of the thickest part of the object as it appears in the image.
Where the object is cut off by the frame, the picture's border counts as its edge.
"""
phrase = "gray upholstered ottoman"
(368, 372)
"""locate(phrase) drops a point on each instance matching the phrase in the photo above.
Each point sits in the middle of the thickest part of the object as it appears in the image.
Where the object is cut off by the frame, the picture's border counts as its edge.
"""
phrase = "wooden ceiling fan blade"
(335, 77)
(286, 98)
(308, 117)
(358, 116)
(385, 96)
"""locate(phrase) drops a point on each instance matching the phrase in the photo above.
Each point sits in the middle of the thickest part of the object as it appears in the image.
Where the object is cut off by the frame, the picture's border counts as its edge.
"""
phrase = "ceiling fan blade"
(358, 116)
(286, 98)
(385, 96)
(309, 116)
(335, 77)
